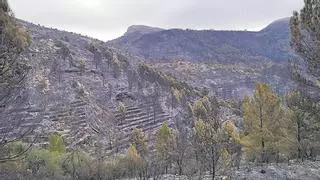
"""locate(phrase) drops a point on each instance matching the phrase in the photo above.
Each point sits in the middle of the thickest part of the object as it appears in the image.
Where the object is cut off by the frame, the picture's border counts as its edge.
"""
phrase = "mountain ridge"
(144, 28)
(271, 43)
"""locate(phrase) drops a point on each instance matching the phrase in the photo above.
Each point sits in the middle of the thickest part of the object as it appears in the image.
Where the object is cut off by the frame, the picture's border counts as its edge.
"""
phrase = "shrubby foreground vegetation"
(275, 129)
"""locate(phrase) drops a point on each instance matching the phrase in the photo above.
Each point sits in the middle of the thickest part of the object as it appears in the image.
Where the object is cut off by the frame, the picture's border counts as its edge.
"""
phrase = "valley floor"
(296, 171)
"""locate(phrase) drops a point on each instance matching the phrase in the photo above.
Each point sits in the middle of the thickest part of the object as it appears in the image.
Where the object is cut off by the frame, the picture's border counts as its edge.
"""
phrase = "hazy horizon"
(107, 20)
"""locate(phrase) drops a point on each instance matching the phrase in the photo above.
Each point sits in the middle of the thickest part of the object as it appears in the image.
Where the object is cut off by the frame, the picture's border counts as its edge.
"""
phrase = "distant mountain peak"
(142, 29)
(282, 20)
(277, 25)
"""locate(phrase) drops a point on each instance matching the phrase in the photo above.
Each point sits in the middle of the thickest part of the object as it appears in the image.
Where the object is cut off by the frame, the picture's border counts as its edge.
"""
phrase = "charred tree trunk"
(213, 163)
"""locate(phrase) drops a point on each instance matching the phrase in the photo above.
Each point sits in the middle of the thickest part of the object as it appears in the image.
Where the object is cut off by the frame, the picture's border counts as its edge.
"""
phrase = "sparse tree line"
(147, 73)
(275, 130)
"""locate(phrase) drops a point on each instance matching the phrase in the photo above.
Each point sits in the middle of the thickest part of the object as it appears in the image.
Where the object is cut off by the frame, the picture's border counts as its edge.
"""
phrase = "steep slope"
(76, 83)
(74, 88)
(271, 43)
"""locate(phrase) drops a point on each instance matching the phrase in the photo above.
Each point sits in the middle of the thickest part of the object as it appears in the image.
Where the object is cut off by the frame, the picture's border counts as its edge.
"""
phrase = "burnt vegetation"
(72, 107)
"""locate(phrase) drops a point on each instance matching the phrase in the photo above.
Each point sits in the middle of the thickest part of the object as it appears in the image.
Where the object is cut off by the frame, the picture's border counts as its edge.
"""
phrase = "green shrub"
(56, 144)
(45, 163)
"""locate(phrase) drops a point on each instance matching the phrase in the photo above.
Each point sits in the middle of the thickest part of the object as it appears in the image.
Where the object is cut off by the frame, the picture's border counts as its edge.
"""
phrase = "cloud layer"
(108, 19)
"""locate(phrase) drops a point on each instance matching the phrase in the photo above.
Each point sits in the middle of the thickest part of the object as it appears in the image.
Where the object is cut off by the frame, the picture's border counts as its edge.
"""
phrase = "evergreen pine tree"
(266, 125)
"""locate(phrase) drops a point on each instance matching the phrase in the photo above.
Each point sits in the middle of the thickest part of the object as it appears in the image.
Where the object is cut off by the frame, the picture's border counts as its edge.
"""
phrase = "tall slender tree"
(265, 123)
(181, 145)
(165, 146)
(305, 40)
(210, 141)
(305, 122)
(139, 140)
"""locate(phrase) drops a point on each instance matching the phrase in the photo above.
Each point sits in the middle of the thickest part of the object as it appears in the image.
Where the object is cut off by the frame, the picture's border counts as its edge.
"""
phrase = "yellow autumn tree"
(235, 139)
(201, 108)
(165, 146)
(133, 161)
(231, 129)
(266, 126)
(139, 140)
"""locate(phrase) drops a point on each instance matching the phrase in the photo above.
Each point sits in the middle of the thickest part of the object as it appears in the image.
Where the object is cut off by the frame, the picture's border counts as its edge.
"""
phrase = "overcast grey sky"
(109, 19)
